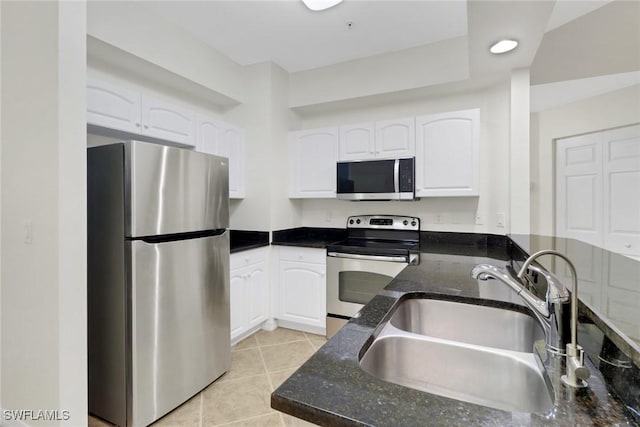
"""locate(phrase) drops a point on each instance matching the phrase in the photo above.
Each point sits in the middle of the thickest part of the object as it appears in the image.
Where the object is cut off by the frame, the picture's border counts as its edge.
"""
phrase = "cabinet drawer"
(250, 257)
(311, 255)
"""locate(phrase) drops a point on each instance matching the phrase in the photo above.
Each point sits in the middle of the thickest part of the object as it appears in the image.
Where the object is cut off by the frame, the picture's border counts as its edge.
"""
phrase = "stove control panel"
(384, 222)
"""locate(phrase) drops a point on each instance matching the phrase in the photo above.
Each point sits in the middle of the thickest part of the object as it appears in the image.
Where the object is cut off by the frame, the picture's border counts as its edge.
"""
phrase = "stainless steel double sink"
(477, 354)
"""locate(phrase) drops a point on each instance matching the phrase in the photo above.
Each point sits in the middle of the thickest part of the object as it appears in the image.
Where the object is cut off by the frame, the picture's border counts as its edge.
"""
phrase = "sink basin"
(466, 352)
(468, 323)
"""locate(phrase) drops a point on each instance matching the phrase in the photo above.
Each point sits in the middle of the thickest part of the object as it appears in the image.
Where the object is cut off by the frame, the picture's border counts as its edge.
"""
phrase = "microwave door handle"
(396, 176)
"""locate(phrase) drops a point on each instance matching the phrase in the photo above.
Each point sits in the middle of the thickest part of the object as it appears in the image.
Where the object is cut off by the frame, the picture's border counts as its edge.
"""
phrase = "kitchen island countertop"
(332, 389)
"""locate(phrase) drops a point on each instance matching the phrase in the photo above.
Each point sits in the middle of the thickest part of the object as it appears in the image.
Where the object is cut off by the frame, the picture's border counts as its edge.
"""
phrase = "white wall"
(265, 117)
(43, 181)
(133, 28)
(619, 108)
(519, 179)
(391, 72)
(457, 214)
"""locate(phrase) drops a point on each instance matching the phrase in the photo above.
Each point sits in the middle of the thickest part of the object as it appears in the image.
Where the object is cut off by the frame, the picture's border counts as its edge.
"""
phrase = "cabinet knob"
(146, 126)
(627, 245)
(137, 125)
(246, 259)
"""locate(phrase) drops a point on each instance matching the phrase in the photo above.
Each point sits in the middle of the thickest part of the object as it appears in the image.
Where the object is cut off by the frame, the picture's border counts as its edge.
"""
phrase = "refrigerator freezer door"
(173, 190)
(180, 338)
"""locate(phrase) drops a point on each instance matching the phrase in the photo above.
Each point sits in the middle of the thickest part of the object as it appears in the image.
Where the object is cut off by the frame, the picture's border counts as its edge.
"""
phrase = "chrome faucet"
(576, 372)
(550, 311)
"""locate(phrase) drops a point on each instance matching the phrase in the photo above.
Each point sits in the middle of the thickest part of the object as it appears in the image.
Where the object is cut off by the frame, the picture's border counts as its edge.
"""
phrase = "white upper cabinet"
(395, 138)
(312, 163)
(357, 142)
(232, 147)
(166, 121)
(447, 154)
(216, 137)
(113, 107)
(209, 134)
(382, 139)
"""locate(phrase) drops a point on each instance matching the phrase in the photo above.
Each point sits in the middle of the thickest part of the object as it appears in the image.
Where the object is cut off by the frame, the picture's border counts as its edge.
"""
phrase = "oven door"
(353, 279)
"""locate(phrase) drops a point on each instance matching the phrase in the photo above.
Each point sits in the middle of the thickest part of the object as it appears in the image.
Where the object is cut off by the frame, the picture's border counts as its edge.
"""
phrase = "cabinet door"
(357, 142)
(113, 107)
(209, 133)
(447, 151)
(239, 312)
(313, 157)
(621, 185)
(257, 288)
(232, 147)
(395, 138)
(169, 122)
(303, 293)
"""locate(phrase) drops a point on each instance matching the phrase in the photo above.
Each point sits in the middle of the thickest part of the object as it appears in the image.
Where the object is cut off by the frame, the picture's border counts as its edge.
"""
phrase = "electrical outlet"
(500, 220)
(28, 231)
(438, 218)
(479, 220)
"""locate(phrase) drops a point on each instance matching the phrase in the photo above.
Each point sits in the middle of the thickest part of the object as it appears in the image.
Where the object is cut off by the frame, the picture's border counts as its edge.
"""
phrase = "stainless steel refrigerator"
(158, 278)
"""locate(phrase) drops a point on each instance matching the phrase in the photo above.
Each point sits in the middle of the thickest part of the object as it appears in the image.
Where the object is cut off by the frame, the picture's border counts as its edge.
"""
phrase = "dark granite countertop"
(332, 389)
(242, 240)
(310, 237)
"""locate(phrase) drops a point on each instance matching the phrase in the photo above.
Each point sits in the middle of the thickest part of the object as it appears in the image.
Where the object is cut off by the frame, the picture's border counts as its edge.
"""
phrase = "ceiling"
(288, 34)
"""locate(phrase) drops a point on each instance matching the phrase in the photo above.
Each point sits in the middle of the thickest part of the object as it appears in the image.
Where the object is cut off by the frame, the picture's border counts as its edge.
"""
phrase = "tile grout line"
(264, 366)
(201, 408)
(244, 419)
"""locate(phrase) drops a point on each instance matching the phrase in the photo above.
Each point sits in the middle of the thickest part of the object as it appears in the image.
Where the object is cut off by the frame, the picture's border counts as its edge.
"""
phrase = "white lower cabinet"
(301, 294)
(249, 292)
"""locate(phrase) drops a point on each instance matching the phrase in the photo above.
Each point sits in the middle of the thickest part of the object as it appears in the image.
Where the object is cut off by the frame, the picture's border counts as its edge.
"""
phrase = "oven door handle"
(398, 258)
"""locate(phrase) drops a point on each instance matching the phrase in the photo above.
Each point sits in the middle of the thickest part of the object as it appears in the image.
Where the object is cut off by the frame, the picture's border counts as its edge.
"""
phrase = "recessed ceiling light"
(503, 46)
(317, 5)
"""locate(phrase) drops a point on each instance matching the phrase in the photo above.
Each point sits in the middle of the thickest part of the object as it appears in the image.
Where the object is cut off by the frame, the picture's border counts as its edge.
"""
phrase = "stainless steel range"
(377, 248)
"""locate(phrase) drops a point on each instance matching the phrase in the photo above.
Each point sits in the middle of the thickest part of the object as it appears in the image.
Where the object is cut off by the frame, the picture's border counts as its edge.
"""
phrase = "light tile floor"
(241, 397)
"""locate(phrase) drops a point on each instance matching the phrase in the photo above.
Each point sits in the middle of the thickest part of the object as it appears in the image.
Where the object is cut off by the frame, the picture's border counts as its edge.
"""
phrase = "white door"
(598, 189)
(395, 138)
(168, 122)
(447, 151)
(621, 185)
(313, 157)
(113, 107)
(357, 142)
(579, 188)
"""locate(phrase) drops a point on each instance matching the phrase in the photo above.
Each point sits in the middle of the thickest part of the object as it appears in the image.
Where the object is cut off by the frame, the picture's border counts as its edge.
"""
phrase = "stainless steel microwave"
(387, 179)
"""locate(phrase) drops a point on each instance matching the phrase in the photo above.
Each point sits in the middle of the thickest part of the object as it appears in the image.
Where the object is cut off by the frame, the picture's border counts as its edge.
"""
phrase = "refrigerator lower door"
(180, 332)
